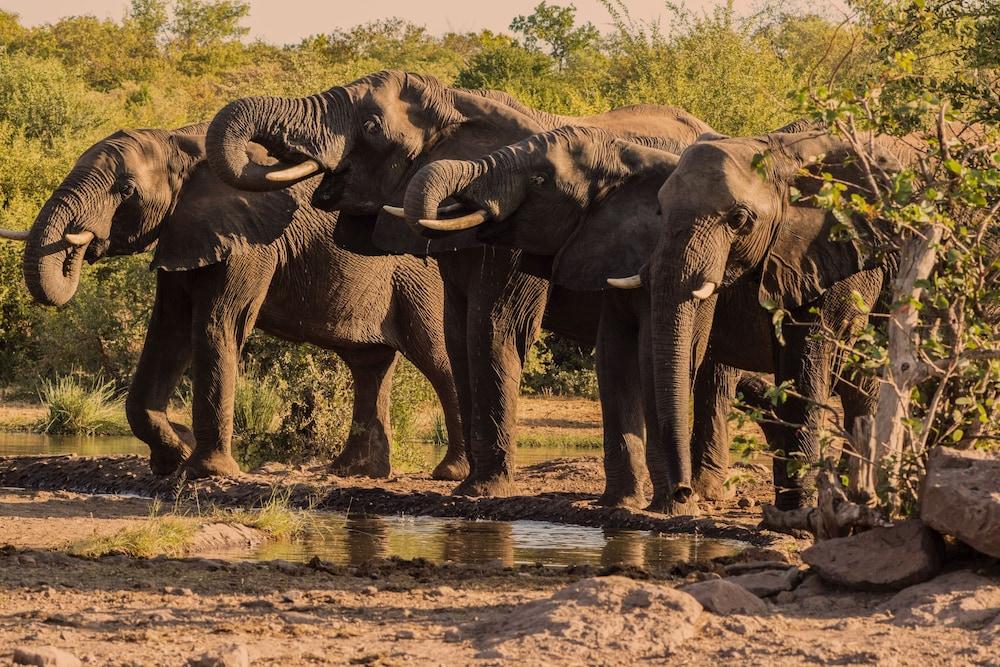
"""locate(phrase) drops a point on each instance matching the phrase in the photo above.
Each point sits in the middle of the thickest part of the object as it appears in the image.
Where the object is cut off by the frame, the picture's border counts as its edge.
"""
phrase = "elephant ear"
(212, 221)
(804, 262)
(613, 241)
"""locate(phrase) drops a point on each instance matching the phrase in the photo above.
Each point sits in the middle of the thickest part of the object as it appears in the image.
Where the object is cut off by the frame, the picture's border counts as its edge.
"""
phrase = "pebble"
(233, 655)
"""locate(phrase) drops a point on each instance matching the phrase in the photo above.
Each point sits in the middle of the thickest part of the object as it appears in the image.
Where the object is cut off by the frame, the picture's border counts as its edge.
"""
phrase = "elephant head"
(366, 137)
(111, 203)
(580, 195)
(728, 213)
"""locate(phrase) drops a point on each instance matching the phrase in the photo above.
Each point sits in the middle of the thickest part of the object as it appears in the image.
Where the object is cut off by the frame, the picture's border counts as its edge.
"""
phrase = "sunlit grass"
(76, 408)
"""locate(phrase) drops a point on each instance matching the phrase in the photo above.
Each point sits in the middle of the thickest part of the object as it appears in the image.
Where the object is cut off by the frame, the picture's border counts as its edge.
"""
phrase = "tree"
(555, 27)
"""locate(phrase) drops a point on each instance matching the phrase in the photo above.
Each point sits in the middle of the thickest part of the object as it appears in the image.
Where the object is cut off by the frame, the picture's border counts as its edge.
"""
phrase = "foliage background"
(66, 85)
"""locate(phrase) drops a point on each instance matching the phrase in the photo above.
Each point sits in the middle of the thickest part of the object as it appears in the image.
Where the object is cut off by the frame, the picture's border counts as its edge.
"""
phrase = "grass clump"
(257, 402)
(158, 535)
(560, 441)
(275, 517)
(79, 408)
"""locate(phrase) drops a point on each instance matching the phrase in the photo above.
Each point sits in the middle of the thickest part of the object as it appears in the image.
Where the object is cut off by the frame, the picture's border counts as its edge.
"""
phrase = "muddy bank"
(560, 491)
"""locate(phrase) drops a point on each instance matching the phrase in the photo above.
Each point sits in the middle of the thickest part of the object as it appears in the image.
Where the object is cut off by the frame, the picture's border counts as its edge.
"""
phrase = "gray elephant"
(227, 261)
(369, 137)
(735, 244)
(589, 200)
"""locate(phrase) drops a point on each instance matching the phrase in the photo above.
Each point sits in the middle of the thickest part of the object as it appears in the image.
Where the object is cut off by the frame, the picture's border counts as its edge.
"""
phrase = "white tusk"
(705, 291)
(14, 234)
(79, 239)
(442, 210)
(456, 224)
(632, 282)
(300, 170)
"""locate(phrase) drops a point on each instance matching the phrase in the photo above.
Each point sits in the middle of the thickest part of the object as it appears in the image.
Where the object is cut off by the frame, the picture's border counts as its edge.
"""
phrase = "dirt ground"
(119, 611)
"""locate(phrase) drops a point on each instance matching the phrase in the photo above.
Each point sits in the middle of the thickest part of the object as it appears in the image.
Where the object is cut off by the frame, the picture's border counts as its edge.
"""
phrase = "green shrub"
(78, 408)
(257, 403)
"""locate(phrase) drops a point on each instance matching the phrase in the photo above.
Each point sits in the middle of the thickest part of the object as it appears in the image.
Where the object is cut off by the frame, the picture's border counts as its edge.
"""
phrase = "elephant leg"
(457, 347)
(366, 451)
(714, 390)
(504, 313)
(807, 361)
(227, 299)
(166, 354)
(425, 348)
(621, 406)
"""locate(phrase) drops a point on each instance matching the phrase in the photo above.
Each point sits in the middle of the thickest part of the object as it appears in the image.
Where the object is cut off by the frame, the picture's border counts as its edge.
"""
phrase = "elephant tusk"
(14, 234)
(294, 173)
(705, 291)
(455, 224)
(632, 282)
(79, 239)
(442, 210)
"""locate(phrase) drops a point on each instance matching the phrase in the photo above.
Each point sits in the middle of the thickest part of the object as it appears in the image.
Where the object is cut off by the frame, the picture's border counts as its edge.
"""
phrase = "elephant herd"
(397, 215)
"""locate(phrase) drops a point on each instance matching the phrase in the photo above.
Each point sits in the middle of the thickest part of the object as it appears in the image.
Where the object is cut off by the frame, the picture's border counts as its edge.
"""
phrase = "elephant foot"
(164, 460)
(682, 502)
(628, 497)
(453, 468)
(491, 486)
(713, 487)
(362, 460)
(215, 464)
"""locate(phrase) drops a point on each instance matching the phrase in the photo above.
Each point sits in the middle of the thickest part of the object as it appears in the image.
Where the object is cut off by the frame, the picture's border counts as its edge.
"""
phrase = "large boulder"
(961, 497)
(581, 623)
(960, 599)
(891, 557)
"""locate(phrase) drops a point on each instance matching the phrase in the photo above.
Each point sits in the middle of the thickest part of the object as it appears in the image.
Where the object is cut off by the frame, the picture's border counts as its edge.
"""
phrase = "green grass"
(258, 404)
(560, 441)
(79, 408)
(276, 518)
(157, 535)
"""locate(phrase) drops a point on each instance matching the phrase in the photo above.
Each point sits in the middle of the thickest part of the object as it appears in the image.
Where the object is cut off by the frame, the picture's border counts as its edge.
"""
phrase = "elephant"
(368, 138)
(742, 238)
(227, 261)
(588, 199)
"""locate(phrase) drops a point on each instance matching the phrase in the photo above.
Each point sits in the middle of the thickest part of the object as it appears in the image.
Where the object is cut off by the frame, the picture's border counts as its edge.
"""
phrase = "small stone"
(745, 502)
(442, 592)
(298, 618)
(292, 596)
(27, 560)
(45, 656)
(785, 597)
(721, 596)
(405, 634)
(812, 585)
(233, 655)
(767, 582)
(369, 590)
(173, 590)
(882, 558)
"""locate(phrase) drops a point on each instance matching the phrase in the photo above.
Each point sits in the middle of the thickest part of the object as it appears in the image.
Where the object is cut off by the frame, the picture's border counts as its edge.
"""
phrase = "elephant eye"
(537, 179)
(740, 217)
(126, 188)
(373, 125)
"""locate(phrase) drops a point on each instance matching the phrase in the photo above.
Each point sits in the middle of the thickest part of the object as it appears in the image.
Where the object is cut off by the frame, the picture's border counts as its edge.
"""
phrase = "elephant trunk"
(51, 263)
(436, 182)
(673, 329)
(275, 123)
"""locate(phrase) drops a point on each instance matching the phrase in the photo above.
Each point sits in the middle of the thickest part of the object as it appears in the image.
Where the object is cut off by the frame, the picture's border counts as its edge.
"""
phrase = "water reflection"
(356, 539)
(27, 444)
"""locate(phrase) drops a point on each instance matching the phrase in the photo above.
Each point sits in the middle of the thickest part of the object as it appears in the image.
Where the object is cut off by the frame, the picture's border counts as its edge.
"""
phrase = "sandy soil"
(116, 611)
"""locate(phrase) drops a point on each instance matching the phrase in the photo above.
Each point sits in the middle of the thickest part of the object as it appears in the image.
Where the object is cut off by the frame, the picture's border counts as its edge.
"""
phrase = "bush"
(76, 408)
(257, 404)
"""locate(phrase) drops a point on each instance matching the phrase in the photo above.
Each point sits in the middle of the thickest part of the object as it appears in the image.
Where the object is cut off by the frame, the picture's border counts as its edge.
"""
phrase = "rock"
(45, 656)
(961, 497)
(222, 536)
(721, 596)
(881, 558)
(756, 565)
(785, 597)
(811, 586)
(961, 599)
(767, 582)
(580, 623)
(298, 618)
(232, 655)
(173, 590)
(745, 502)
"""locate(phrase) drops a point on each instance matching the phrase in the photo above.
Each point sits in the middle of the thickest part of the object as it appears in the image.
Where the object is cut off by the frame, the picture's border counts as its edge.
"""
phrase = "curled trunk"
(52, 265)
(435, 183)
(271, 122)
